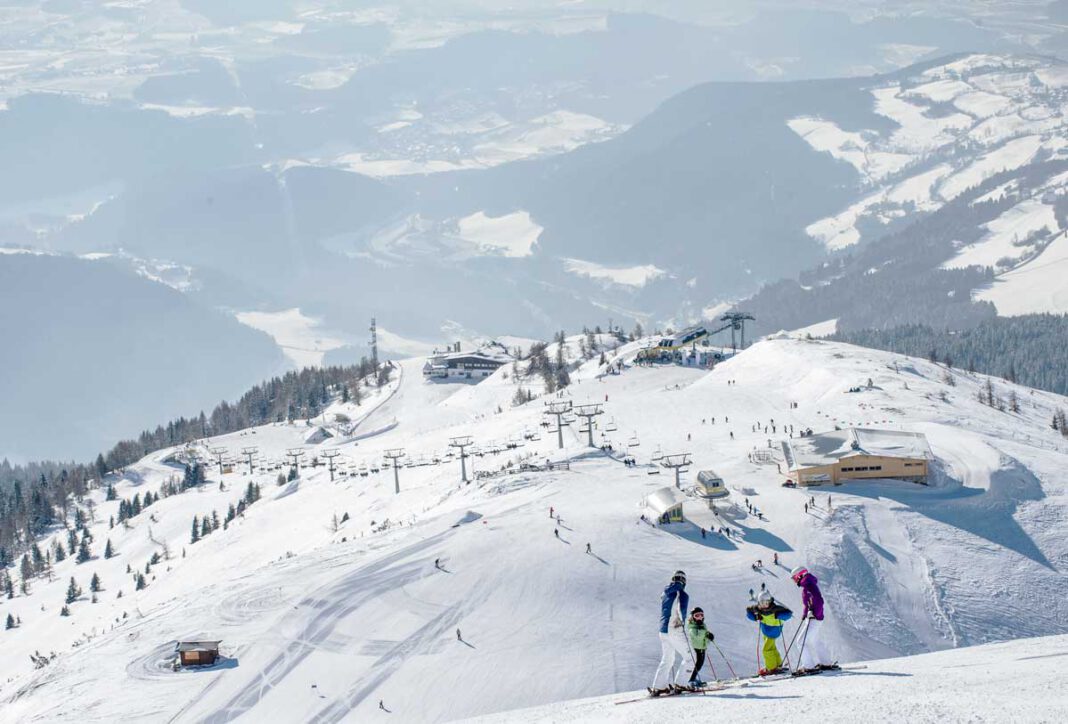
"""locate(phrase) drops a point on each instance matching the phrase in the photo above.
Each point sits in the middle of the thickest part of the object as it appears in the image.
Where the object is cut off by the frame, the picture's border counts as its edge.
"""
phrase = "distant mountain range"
(94, 353)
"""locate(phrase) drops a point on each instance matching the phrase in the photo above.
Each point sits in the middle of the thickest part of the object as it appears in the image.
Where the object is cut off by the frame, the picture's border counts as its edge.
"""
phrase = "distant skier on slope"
(673, 646)
(814, 654)
(699, 638)
(771, 616)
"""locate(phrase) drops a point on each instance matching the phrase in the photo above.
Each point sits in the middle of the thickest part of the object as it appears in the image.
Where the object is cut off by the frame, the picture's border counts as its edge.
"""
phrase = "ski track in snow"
(332, 603)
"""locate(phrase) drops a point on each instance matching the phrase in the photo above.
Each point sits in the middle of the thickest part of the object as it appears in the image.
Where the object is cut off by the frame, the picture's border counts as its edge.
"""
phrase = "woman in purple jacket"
(814, 654)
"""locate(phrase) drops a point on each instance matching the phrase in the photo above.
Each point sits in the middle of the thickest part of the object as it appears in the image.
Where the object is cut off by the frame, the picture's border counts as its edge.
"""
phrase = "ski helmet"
(764, 597)
(699, 610)
(798, 573)
(679, 577)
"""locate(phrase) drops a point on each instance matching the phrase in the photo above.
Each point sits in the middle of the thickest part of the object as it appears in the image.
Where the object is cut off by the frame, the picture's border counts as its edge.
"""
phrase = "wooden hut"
(198, 653)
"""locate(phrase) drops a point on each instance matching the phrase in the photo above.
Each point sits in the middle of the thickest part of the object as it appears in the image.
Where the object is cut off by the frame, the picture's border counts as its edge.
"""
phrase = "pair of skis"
(712, 687)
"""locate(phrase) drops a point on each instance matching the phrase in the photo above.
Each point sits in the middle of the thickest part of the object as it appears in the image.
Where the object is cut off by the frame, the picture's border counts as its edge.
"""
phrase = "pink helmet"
(798, 573)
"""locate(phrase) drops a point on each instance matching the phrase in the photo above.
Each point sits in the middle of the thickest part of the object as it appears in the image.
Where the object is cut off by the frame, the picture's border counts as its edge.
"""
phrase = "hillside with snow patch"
(321, 621)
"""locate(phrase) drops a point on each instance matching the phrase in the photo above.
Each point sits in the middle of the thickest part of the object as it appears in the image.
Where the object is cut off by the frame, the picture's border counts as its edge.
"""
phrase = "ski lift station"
(664, 505)
(692, 346)
(710, 486)
(857, 454)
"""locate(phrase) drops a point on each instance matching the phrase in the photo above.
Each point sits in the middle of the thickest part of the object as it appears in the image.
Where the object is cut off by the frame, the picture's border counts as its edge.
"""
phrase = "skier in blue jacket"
(673, 645)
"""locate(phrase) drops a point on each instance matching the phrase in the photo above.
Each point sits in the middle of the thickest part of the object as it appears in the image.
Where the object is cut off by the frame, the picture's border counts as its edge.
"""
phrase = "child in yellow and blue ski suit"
(771, 616)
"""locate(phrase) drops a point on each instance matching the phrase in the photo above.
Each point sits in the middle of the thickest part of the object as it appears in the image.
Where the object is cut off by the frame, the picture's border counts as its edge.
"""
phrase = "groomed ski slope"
(1012, 681)
(321, 625)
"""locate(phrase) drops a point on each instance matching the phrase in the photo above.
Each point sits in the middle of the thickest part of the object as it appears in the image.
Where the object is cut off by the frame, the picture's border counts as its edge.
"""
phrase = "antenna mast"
(374, 344)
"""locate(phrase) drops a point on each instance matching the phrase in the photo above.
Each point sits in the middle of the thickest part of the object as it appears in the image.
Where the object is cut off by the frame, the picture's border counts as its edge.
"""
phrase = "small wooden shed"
(198, 653)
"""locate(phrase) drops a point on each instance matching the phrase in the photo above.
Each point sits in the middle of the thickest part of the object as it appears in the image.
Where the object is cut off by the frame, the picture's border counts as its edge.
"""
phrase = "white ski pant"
(673, 656)
(815, 652)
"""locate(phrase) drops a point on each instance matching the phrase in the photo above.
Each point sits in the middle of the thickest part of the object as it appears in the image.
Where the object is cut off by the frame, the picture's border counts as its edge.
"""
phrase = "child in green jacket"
(699, 637)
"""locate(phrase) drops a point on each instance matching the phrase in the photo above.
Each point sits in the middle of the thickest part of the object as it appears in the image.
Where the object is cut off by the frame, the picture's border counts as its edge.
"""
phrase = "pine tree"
(139, 582)
(84, 554)
(111, 494)
(10, 622)
(196, 531)
(94, 584)
(65, 611)
(73, 591)
(108, 550)
(60, 552)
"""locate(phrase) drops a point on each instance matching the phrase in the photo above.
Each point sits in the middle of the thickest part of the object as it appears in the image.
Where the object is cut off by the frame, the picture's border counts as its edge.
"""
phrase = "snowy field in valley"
(628, 276)
(300, 336)
(1035, 286)
(322, 621)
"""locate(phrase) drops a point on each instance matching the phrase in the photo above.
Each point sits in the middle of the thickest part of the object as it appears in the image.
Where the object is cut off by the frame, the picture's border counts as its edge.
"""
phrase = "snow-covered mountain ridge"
(320, 622)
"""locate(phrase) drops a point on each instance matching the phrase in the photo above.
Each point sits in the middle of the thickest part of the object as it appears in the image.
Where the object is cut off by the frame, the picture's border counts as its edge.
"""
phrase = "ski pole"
(726, 660)
(801, 653)
(791, 644)
(758, 647)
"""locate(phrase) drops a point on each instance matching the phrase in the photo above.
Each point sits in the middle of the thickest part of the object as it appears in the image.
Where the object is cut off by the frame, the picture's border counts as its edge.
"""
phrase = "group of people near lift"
(685, 638)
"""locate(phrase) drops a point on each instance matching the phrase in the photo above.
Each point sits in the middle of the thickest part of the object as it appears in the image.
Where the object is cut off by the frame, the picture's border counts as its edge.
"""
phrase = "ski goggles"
(698, 617)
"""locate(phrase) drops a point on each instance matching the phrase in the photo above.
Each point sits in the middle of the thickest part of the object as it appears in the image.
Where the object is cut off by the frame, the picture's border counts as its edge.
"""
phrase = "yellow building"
(857, 454)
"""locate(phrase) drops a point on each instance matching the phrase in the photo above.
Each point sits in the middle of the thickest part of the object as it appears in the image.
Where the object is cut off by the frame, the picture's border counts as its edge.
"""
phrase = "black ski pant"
(699, 661)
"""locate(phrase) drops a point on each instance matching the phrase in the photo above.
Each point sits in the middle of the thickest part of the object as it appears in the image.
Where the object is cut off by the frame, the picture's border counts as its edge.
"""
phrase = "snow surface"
(321, 624)
(819, 329)
(1007, 235)
(480, 141)
(847, 146)
(628, 276)
(512, 235)
(997, 682)
(1038, 285)
(298, 335)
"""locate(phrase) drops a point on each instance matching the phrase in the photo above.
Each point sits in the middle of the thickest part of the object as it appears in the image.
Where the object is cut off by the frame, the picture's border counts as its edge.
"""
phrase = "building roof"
(197, 645)
(829, 447)
(662, 500)
(482, 355)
